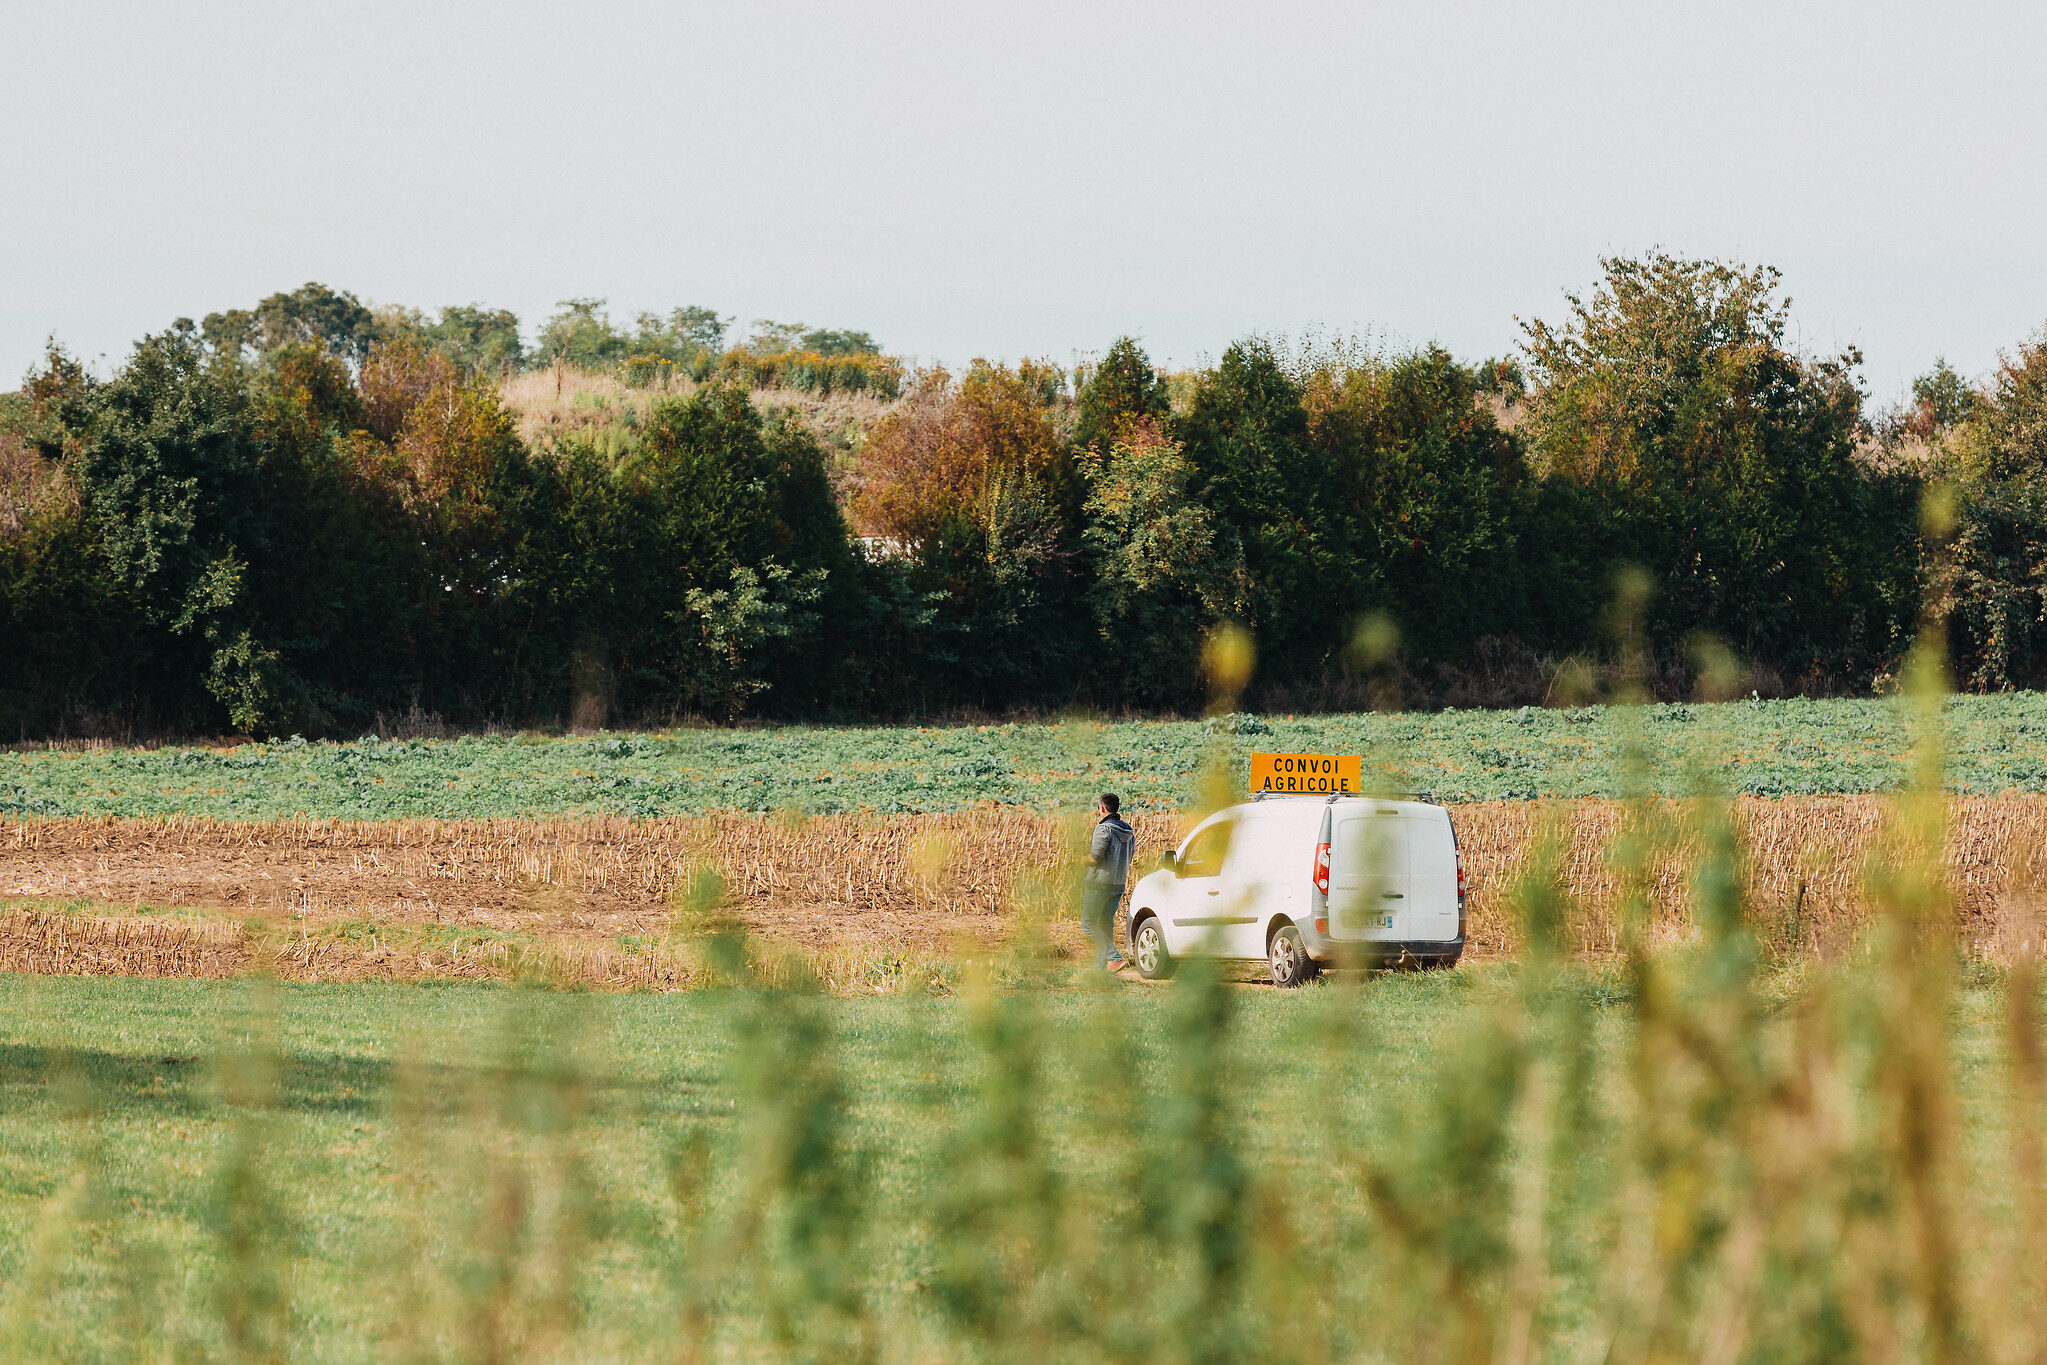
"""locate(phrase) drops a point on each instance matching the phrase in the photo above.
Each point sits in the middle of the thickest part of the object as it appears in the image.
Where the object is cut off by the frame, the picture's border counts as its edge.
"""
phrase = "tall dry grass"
(563, 403)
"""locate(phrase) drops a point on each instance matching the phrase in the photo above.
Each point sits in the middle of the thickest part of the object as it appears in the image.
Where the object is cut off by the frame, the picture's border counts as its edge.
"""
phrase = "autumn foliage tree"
(973, 479)
(956, 457)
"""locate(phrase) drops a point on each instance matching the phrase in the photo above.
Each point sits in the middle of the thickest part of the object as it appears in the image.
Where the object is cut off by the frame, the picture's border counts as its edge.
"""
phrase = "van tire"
(1288, 956)
(1148, 950)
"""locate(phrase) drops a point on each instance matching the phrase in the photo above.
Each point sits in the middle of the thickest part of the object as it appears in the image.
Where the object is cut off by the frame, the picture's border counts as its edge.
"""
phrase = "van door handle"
(1215, 893)
(1383, 895)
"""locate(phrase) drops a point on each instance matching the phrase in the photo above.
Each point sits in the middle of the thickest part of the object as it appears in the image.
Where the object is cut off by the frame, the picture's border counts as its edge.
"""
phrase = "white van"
(1304, 881)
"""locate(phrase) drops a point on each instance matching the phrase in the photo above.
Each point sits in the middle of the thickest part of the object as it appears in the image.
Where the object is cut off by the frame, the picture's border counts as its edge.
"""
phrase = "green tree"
(1121, 393)
(230, 333)
(340, 580)
(1624, 389)
(684, 337)
(171, 476)
(839, 341)
(773, 338)
(699, 327)
(75, 645)
(311, 314)
(1425, 498)
(581, 334)
(680, 574)
(1164, 572)
(484, 340)
(2008, 439)
(1990, 581)
(1268, 486)
(1941, 398)
(1723, 462)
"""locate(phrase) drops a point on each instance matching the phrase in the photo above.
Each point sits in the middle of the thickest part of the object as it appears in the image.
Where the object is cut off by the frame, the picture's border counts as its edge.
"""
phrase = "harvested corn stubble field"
(870, 900)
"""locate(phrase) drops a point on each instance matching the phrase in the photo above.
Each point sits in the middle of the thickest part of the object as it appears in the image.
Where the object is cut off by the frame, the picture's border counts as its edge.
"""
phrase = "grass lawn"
(1996, 744)
(437, 1168)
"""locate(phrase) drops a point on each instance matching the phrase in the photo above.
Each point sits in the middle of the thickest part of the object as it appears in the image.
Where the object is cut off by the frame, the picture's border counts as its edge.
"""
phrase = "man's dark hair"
(1112, 802)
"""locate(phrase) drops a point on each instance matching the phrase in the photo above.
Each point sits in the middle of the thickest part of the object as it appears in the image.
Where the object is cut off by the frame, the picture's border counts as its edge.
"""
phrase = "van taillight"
(1460, 876)
(1322, 869)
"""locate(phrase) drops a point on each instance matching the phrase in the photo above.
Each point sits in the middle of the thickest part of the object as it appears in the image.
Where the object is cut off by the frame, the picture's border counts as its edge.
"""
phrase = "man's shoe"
(1120, 964)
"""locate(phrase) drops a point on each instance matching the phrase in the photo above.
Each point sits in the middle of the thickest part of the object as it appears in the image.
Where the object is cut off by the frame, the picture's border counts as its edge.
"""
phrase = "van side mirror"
(1166, 861)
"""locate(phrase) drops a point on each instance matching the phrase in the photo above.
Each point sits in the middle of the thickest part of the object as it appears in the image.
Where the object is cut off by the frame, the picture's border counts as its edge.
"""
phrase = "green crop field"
(1997, 744)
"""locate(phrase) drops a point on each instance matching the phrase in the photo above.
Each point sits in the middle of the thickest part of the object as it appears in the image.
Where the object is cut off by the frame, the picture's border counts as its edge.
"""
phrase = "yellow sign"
(1306, 774)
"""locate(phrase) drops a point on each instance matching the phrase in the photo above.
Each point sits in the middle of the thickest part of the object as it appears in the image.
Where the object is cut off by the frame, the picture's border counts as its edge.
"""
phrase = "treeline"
(309, 518)
(693, 342)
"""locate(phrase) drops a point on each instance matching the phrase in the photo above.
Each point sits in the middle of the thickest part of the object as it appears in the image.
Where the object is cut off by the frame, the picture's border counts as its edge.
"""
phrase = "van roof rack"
(1426, 798)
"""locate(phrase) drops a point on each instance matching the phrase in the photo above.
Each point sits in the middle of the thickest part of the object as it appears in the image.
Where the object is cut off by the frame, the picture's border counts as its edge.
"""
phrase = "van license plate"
(1385, 921)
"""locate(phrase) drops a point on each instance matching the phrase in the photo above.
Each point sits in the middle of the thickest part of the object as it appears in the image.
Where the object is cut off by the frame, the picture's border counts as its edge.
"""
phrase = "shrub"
(647, 370)
(808, 371)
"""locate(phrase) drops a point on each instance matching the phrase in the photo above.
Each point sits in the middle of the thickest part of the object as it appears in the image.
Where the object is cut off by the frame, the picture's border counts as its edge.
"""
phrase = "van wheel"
(1154, 963)
(1291, 965)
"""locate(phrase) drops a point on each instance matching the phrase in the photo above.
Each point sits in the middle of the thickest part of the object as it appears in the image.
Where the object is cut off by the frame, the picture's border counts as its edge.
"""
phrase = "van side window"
(1205, 852)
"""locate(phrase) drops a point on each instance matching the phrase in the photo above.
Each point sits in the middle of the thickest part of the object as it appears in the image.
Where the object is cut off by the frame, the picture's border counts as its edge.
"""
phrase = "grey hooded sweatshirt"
(1108, 853)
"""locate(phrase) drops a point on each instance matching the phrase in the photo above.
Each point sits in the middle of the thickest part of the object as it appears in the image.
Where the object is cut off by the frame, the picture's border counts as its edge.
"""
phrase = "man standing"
(1101, 890)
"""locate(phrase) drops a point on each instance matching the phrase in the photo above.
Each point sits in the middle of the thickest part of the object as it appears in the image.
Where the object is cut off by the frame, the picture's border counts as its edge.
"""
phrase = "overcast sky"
(1018, 179)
